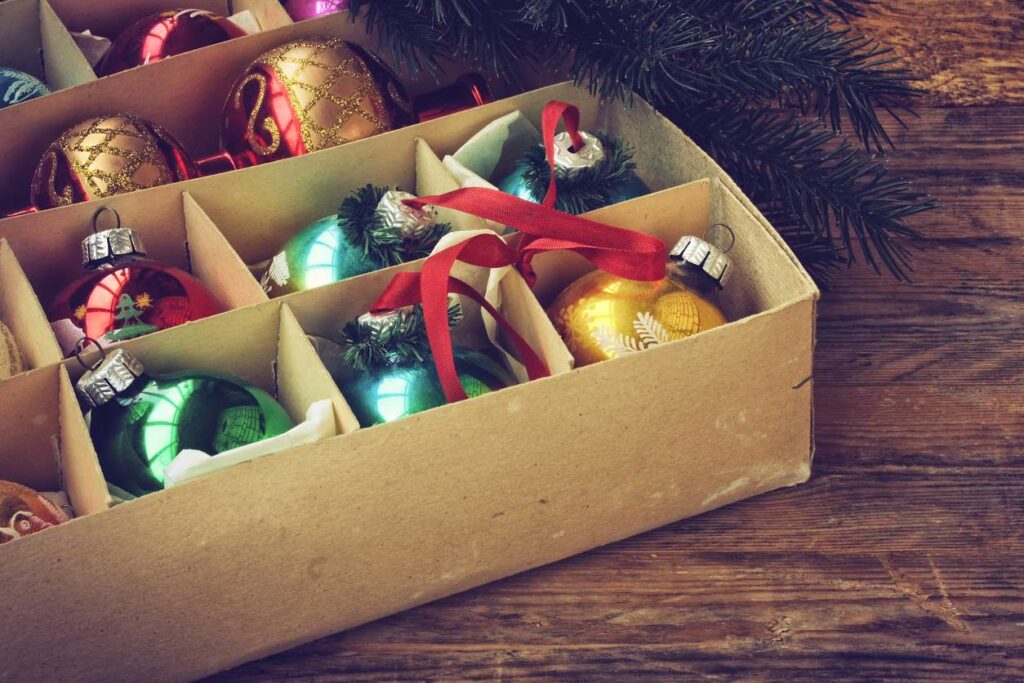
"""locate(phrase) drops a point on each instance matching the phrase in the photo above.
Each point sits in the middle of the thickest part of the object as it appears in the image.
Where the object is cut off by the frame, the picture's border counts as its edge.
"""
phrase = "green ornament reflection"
(139, 432)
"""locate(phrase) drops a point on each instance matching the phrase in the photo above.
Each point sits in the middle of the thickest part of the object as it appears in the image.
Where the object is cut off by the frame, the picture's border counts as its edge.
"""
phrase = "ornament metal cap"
(571, 160)
(409, 223)
(109, 378)
(112, 247)
(709, 259)
(379, 324)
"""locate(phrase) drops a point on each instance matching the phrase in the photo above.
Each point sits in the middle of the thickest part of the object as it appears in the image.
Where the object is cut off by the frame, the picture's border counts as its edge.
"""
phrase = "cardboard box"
(21, 312)
(297, 545)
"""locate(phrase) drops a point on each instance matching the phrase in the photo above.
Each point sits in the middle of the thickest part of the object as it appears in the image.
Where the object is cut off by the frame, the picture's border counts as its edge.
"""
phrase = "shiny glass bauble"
(17, 87)
(319, 255)
(301, 10)
(386, 394)
(24, 511)
(164, 35)
(106, 156)
(309, 95)
(601, 316)
(123, 303)
(139, 432)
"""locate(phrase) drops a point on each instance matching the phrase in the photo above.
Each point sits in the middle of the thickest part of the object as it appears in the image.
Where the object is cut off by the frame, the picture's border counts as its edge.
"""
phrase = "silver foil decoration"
(712, 261)
(570, 161)
(109, 248)
(411, 224)
(113, 376)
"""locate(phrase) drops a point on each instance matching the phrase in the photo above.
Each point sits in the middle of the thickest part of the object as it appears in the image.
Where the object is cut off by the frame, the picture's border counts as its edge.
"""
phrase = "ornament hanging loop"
(99, 212)
(81, 347)
(715, 235)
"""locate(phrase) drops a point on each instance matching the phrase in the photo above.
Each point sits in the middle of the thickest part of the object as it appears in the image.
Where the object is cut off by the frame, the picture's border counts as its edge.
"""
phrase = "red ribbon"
(554, 111)
(624, 253)
(431, 288)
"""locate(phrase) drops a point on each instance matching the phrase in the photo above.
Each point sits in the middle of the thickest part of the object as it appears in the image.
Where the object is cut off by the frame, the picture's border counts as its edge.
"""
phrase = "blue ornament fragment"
(17, 87)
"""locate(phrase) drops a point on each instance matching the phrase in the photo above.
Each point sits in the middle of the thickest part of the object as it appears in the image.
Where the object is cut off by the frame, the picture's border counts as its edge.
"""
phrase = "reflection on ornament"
(601, 316)
(301, 10)
(126, 295)
(107, 156)
(17, 87)
(140, 422)
(373, 229)
(164, 35)
(24, 511)
(306, 96)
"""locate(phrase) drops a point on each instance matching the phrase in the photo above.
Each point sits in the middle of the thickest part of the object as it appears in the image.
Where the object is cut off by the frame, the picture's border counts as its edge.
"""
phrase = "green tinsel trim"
(588, 188)
(357, 217)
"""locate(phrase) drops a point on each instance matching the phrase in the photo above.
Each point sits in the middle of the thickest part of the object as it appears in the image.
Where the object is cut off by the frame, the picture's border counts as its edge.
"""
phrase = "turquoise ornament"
(140, 422)
(601, 174)
(17, 87)
(389, 393)
(387, 371)
(372, 230)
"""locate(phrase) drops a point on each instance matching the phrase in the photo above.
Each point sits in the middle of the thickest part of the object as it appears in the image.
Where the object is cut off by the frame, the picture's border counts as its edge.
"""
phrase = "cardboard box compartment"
(21, 312)
(293, 546)
(33, 40)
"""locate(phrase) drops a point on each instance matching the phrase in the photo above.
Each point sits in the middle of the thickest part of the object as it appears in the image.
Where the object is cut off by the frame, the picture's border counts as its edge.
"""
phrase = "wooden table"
(904, 555)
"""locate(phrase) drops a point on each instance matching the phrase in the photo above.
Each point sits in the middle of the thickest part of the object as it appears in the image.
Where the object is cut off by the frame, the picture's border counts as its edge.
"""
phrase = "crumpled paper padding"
(191, 464)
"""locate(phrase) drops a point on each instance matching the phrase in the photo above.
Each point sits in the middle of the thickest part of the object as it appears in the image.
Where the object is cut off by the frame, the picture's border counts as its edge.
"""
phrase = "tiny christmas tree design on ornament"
(129, 314)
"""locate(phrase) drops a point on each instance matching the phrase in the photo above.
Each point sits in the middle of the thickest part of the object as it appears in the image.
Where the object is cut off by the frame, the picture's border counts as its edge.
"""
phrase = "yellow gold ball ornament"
(601, 316)
(11, 362)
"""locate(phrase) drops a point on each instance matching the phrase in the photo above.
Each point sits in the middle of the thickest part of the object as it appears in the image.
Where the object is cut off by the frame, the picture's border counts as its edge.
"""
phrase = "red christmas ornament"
(127, 295)
(164, 35)
(107, 156)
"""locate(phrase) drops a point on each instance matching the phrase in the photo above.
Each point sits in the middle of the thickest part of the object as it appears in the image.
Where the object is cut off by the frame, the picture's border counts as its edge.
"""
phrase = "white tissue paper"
(191, 464)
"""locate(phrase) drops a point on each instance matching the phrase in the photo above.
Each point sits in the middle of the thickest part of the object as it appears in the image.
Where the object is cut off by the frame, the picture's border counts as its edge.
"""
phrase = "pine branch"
(834, 190)
(584, 189)
(358, 220)
(401, 342)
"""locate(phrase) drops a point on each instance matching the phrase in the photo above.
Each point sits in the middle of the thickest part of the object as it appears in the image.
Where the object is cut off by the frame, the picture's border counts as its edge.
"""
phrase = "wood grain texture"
(901, 559)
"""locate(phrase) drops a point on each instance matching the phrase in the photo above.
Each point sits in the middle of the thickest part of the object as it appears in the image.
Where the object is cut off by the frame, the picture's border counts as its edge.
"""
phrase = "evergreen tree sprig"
(401, 342)
(358, 219)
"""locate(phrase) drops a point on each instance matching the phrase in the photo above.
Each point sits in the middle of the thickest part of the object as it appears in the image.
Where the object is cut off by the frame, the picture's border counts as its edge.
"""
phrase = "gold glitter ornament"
(309, 95)
(106, 156)
(601, 316)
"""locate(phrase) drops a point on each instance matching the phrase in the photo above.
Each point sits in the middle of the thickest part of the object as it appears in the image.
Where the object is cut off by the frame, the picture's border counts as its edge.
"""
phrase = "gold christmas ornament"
(601, 316)
(106, 156)
(11, 362)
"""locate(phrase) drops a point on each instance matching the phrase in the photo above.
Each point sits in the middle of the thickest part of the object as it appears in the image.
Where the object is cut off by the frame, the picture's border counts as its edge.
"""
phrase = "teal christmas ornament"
(140, 422)
(372, 230)
(601, 173)
(17, 87)
(390, 371)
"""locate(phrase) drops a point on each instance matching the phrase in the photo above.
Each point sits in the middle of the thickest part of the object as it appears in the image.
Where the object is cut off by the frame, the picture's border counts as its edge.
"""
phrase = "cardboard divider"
(21, 312)
(33, 40)
(174, 228)
(46, 445)
(184, 95)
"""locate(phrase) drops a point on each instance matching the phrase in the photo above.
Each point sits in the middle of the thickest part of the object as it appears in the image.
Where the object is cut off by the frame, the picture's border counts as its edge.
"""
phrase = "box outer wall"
(484, 517)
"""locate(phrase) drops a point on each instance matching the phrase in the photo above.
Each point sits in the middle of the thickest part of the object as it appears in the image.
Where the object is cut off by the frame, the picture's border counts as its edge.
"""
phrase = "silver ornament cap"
(409, 223)
(111, 248)
(572, 161)
(113, 376)
(712, 261)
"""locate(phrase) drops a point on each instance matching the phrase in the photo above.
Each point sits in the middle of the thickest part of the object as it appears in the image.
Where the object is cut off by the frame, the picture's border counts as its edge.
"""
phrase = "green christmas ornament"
(599, 174)
(140, 422)
(372, 230)
(390, 371)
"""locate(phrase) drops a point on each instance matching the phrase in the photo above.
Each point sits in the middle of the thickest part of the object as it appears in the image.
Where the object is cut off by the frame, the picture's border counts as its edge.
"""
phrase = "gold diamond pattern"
(333, 93)
(111, 155)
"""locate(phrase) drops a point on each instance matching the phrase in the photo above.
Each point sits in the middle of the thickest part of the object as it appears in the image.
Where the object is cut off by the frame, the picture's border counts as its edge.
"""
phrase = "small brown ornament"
(24, 511)
(11, 361)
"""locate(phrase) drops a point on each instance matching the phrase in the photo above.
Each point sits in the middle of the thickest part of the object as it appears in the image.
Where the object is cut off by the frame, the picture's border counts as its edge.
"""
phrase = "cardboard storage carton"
(293, 546)
(20, 311)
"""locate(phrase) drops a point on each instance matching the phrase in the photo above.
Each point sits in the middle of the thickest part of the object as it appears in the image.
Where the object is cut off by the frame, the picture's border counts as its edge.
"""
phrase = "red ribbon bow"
(624, 253)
